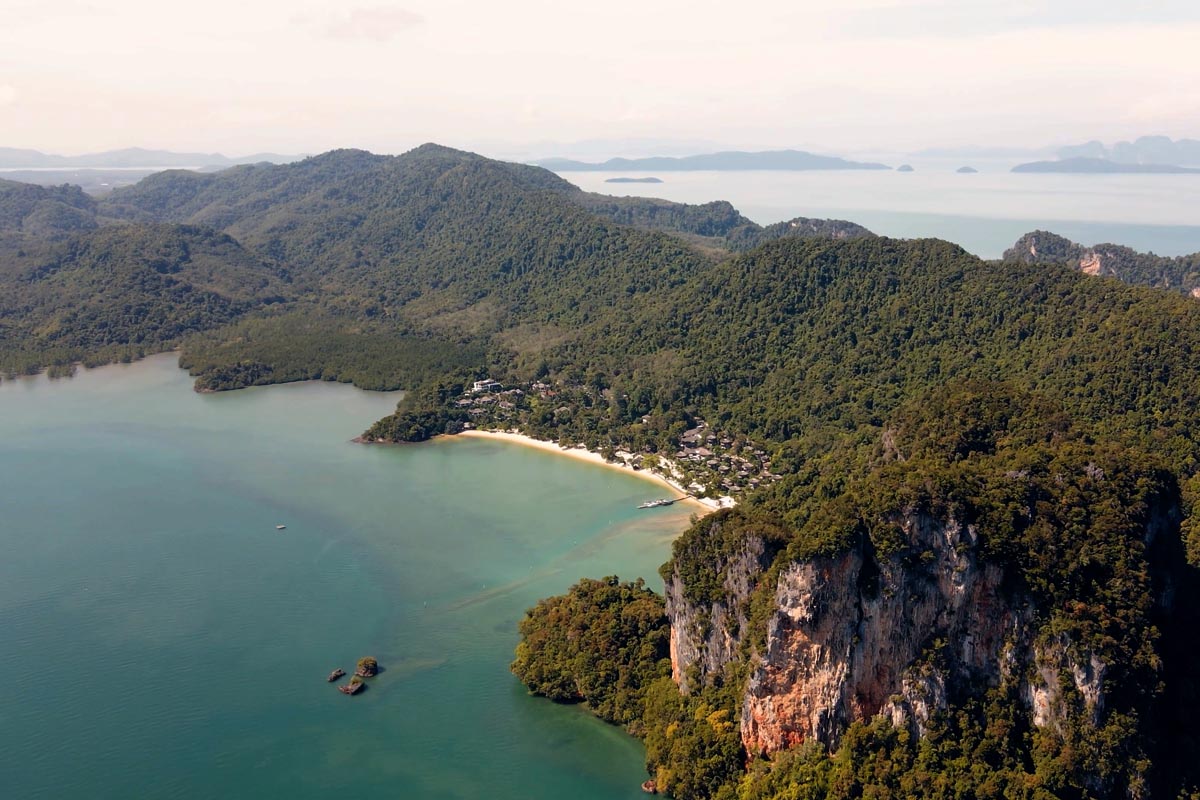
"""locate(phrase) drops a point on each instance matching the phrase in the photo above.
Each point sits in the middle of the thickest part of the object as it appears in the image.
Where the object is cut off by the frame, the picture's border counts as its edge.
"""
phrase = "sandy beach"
(703, 505)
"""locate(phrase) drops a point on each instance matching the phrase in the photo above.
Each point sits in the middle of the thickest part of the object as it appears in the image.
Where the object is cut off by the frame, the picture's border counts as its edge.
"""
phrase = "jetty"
(663, 501)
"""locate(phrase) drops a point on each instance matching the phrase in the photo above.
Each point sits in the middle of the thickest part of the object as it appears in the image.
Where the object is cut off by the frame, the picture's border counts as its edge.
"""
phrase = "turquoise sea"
(160, 639)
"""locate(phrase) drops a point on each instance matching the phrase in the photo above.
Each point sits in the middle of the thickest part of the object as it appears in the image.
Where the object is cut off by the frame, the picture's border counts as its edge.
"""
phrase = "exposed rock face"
(904, 635)
(922, 694)
(853, 636)
(1111, 260)
(1090, 264)
(706, 636)
(1043, 690)
(1055, 608)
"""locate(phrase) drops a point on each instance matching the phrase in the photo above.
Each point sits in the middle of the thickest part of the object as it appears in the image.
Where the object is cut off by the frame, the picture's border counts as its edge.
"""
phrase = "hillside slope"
(1179, 274)
(120, 292)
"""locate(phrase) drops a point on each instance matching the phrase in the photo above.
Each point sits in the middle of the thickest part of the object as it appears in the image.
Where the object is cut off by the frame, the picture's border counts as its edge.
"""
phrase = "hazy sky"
(513, 76)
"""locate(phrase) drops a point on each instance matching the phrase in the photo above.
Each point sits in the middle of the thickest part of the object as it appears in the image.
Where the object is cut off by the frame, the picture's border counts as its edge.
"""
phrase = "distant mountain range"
(1143, 150)
(1100, 166)
(15, 158)
(731, 160)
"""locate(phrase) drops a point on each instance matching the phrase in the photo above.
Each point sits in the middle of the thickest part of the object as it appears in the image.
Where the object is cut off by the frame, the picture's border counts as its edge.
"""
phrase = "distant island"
(732, 160)
(905, 168)
(634, 180)
(966, 170)
(15, 158)
(1143, 150)
(1084, 165)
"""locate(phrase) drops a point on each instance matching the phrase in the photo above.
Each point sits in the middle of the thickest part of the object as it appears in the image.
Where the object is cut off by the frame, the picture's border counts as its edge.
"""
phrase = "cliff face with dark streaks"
(859, 635)
(903, 635)
(710, 616)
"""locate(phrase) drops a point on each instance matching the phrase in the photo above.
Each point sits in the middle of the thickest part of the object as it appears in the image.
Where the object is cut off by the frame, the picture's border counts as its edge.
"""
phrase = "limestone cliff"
(1178, 274)
(853, 636)
(902, 634)
(709, 620)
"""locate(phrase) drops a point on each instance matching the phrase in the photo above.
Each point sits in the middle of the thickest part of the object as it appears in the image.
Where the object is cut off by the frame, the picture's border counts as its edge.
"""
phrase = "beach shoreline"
(703, 505)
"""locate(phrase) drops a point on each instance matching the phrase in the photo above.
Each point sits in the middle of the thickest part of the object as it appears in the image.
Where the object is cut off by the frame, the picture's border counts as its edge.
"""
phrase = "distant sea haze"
(132, 158)
(732, 160)
(138, 168)
(984, 212)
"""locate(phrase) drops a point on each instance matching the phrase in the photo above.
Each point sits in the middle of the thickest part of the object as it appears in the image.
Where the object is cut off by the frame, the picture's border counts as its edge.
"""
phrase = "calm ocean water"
(985, 212)
(160, 639)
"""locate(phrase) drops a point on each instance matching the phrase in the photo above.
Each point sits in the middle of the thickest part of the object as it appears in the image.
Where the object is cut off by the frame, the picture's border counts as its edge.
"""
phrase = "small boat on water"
(280, 527)
(663, 501)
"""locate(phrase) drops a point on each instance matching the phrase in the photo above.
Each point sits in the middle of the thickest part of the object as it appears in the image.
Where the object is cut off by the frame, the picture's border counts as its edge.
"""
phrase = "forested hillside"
(44, 210)
(121, 292)
(1180, 274)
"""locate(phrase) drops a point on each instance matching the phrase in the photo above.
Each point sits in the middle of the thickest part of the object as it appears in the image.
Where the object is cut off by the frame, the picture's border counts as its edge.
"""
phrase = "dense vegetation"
(307, 344)
(44, 210)
(124, 291)
(602, 642)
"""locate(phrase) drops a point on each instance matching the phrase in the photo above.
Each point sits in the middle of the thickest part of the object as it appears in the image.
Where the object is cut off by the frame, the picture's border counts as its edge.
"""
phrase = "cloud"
(8, 95)
(375, 23)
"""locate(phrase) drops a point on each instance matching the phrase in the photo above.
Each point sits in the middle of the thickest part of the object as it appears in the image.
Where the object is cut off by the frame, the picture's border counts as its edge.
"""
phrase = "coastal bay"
(163, 639)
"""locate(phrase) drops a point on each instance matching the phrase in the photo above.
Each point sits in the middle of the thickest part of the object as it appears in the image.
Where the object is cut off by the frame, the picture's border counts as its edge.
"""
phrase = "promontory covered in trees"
(965, 567)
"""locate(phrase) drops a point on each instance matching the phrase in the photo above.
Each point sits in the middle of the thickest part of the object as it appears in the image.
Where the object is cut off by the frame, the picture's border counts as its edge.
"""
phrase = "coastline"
(704, 505)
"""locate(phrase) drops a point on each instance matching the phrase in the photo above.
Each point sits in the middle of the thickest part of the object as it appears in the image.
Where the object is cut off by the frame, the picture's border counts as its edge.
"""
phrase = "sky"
(556, 77)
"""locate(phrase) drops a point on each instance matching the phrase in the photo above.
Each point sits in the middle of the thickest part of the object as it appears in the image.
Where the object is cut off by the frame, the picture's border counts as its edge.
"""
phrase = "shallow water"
(160, 638)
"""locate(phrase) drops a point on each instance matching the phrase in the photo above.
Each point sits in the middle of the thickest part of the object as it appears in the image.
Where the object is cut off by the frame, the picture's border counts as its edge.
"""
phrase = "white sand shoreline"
(706, 505)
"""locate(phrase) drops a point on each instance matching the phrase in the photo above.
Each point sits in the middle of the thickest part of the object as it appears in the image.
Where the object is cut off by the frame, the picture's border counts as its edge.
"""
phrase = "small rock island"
(966, 170)
(905, 168)
(355, 686)
(367, 667)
